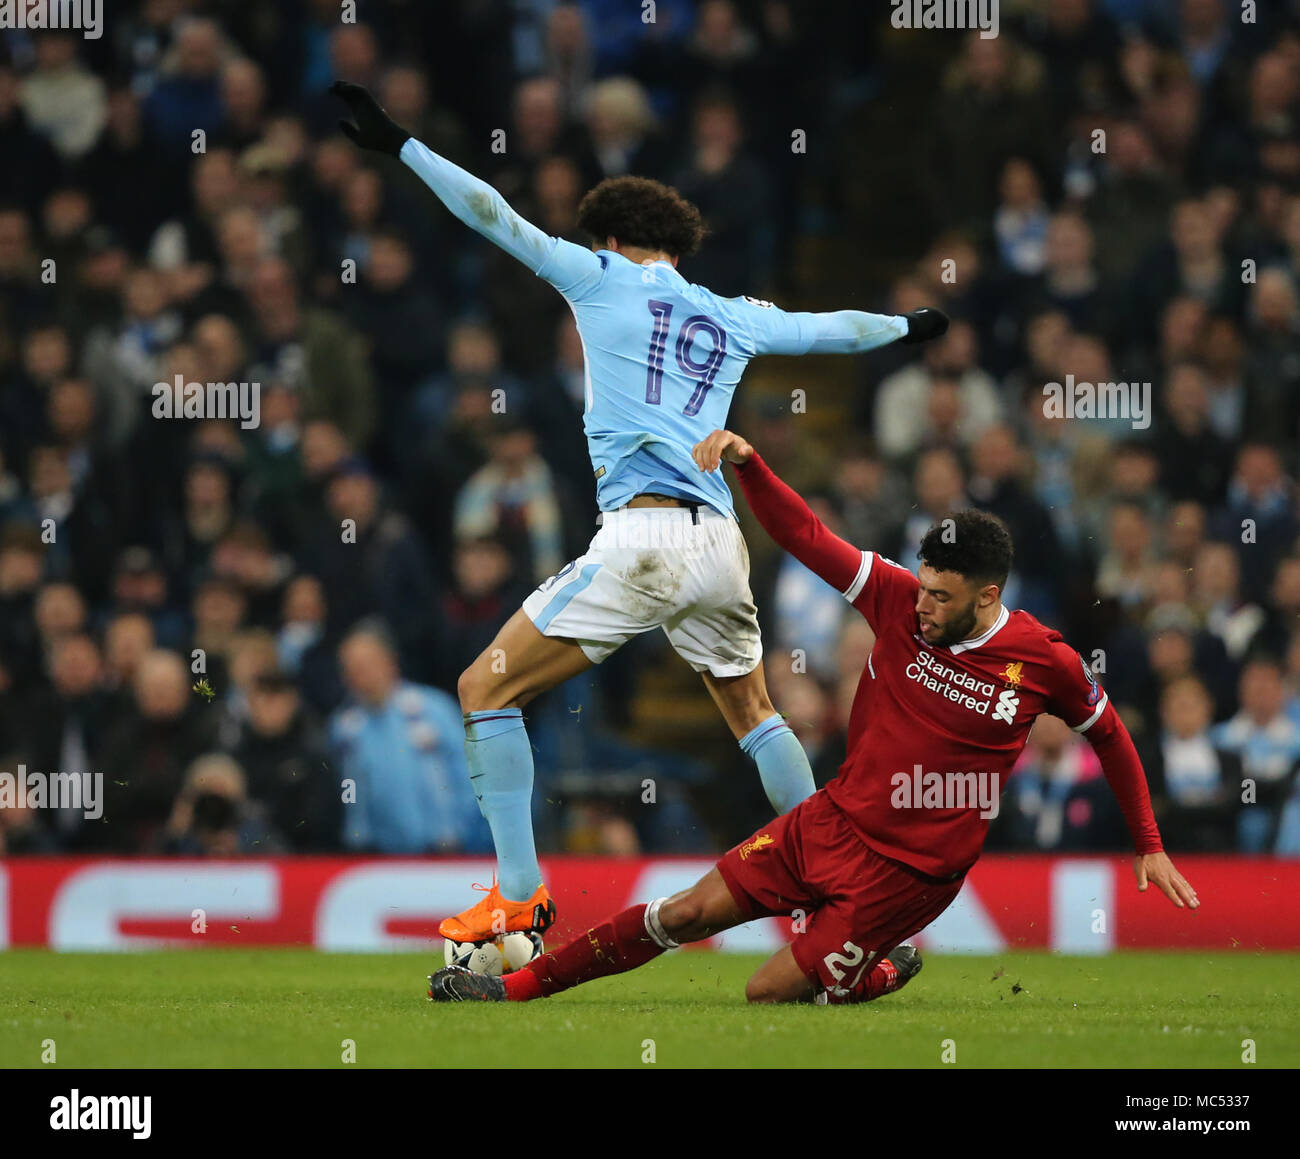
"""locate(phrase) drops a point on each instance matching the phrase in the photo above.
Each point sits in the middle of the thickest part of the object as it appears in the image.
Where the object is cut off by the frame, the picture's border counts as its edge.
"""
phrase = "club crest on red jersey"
(1094, 689)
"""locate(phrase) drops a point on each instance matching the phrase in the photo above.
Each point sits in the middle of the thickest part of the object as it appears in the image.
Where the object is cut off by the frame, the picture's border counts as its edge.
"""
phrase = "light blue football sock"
(782, 763)
(501, 771)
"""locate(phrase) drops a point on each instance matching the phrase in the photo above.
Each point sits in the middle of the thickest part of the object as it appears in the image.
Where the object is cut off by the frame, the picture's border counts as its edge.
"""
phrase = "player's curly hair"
(641, 212)
(974, 544)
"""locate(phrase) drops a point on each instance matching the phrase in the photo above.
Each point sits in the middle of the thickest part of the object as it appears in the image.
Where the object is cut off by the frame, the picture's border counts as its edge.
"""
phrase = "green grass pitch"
(295, 1008)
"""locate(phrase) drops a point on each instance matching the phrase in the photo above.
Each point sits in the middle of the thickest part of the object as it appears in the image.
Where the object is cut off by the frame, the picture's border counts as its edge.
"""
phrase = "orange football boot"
(495, 915)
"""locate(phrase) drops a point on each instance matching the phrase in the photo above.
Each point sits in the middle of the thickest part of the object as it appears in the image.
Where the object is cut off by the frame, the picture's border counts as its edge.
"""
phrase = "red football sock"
(614, 946)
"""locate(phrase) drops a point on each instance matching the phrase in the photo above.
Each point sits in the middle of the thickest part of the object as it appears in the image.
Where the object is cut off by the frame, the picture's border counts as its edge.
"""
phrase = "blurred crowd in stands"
(254, 634)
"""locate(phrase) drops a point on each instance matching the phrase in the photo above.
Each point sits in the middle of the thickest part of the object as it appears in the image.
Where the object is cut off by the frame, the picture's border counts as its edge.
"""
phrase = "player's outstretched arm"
(783, 514)
(837, 331)
(1123, 770)
(475, 202)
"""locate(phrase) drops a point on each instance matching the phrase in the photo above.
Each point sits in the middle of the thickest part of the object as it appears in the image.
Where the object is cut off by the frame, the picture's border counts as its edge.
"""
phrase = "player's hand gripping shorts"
(858, 904)
(658, 567)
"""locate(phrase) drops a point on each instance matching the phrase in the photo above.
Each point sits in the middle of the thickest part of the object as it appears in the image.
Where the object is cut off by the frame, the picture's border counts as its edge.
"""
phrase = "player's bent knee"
(470, 691)
(479, 689)
(760, 990)
(765, 987)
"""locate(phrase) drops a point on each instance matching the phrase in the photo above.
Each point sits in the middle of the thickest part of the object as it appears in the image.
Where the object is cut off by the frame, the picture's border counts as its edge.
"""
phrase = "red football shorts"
(856, 905)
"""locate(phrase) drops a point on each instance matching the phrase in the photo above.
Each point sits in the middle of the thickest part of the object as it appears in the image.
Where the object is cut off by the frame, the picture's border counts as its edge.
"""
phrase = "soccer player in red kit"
(942, 711)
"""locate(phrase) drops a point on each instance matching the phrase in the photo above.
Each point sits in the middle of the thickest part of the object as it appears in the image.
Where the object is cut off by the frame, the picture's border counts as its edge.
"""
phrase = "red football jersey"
(935, 731)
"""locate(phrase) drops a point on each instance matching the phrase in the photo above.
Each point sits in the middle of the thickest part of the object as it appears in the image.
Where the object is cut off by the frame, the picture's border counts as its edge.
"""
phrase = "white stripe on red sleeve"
(854, 589)
(1087, 724)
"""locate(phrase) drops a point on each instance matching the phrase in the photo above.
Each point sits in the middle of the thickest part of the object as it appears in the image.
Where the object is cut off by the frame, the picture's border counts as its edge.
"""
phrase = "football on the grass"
(499, 956)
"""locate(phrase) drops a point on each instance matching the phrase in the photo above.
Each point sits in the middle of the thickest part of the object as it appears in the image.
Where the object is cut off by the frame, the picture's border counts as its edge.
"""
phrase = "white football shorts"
(681, 569)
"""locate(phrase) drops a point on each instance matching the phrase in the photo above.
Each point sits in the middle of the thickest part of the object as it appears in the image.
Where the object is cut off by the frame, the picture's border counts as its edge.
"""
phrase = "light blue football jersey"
(663, 355)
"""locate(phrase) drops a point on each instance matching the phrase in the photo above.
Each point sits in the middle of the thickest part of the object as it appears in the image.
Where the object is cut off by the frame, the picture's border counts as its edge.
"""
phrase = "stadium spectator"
(1223, 356)
(1217, 584)
(486, 589)
(540, 128)
(1283, 617)
(59, 611)
(323, 451)
(22, 561)
(1184, 533)
(1195, 785)
(243, 100)
(252, 652)
(939, 483)
(128, 638)
(187, 97)
(869, 495)
(62, 98)
(66, 726)
(193, 241)
(989, 108)
(1124, 573)
(312, 350)
(126, 360)
(1021, 221)
(997, 485)
(26, 300)
(304, 647)
(1192, 263)
(281, 749)
(24, 185)
(1259, 517)
(404, 320)
(400, 755)
(213, 815)
(624, 130)
(22, 830)
(46, 358)
(473, 360)
(1131, 202)
(1195, 462)
(1070, 281)
(370, 562)
(146, 753)
(245, 556)
(515, 498)
(1273, 341)
(732, 190)
(903, 400)
(1268, 743)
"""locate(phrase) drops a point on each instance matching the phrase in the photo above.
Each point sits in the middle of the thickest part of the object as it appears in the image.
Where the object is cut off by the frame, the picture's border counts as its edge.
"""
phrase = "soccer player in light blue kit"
(663, 358)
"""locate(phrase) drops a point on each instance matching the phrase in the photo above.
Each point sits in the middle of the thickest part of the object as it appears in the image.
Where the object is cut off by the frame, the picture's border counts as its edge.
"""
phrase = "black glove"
(924, 324)
(374, 128)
